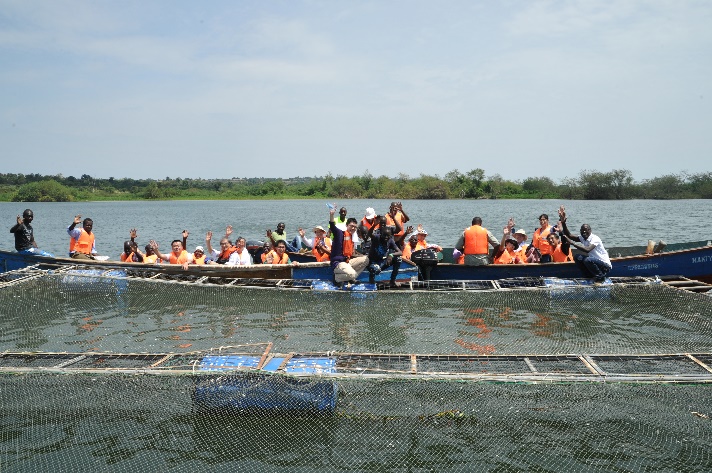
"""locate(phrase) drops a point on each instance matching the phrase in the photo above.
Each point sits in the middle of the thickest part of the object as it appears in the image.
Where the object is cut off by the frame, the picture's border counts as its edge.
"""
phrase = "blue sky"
(305, 88)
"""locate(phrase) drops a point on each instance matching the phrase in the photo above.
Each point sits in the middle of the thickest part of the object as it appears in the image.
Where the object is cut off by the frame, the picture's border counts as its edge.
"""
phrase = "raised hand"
(185, 233)
(133, 233)
(562, 213)
(228, 230)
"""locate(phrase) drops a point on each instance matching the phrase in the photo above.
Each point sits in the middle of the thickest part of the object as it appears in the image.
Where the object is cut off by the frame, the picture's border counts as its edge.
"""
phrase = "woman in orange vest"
(560, 251)
(508, 249)
(321, 248)
(539, 239)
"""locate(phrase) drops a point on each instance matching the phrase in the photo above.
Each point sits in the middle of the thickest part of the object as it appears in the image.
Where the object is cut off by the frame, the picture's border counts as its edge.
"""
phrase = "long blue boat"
(692, 260)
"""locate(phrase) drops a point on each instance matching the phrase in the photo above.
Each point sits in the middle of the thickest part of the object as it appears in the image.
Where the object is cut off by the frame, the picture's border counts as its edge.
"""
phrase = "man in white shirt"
(595, 263)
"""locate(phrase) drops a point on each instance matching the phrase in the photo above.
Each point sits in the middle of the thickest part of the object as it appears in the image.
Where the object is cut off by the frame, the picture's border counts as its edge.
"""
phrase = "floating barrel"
(265, 390)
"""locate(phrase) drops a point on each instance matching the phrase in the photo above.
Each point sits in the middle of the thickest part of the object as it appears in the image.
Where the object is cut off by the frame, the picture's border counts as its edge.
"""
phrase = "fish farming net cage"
(113, 373)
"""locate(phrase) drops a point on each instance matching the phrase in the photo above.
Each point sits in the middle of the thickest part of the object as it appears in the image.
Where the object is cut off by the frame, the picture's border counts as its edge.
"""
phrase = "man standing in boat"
(595, 263)
(25, 235)
(81, 243)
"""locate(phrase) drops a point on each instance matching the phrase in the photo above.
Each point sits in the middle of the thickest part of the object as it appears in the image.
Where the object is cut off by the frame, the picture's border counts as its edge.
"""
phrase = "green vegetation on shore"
(589, 185)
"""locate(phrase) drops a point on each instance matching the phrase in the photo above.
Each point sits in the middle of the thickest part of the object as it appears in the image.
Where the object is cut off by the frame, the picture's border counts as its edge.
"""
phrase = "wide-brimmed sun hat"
(370, 213)
(521, 232)
(319, 227)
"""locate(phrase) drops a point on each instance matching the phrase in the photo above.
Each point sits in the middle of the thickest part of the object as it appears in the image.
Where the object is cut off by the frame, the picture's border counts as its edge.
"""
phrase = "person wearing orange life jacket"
(150, 257)
(199, 255)
(82, 245)
(521, 252)
(279, 255)
(178, 254)
(223, 255)
(368, 220)
(474, 243)
(539, 238)
(561, 250)
(396, 213)
(321, 248)
(507, 253)
(266, 250)
(132, 254)
(128, 244)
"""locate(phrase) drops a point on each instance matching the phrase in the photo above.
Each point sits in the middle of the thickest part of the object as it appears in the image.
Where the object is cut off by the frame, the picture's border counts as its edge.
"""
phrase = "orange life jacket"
(151, 259)
(225, 255)
(84, 243)
(505, 258)
(521, 253)
(348, 245)
(558, 256)
(539, 240)
(366, 224)
(124, 256)
(391, 222)
(277, 260)
(200, 260)
(476, 241)
(180, 259)
(321, 256)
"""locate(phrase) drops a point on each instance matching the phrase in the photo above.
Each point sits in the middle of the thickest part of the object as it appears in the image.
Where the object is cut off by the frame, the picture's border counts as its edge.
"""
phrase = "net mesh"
(71, 402)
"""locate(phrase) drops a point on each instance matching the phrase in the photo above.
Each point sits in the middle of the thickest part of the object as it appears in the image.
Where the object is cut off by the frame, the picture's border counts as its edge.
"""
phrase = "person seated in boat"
(81, 243)
(397, 214)
(507, 252)
(345, 262)
(422, 244)
(409, 248)
(131, 253)
(133, 234)
(266, 249)
(561, 249)
(280, 235)
(539, 239)
(240, 257)
(368, 220)
(384, 253)
(25, 235)
(521, 252)
(474, 243)
(595, 263)
(199, 255)
(278, 255)
(178, 254)
(150, 256)
(226, 248)
(320, 245)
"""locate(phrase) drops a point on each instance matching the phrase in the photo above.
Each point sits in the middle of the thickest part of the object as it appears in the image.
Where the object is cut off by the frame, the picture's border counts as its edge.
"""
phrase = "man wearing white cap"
(366, 223)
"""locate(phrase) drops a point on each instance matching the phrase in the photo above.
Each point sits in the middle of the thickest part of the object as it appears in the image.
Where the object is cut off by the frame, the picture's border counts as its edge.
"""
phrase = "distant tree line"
(589, 185)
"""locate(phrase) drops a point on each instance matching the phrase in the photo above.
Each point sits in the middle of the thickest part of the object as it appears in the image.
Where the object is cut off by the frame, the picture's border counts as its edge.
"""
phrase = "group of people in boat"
(375, 243)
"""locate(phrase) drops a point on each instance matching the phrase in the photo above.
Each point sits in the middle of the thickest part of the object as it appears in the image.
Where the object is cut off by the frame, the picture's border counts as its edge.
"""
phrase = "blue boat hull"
(695, 263)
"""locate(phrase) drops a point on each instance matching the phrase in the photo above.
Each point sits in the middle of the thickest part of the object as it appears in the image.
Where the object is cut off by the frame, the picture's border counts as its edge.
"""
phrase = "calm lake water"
(618, 223)
(113, 422)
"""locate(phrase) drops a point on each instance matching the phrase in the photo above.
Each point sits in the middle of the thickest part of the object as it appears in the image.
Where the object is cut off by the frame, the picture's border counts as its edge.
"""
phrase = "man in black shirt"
(24, 235)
